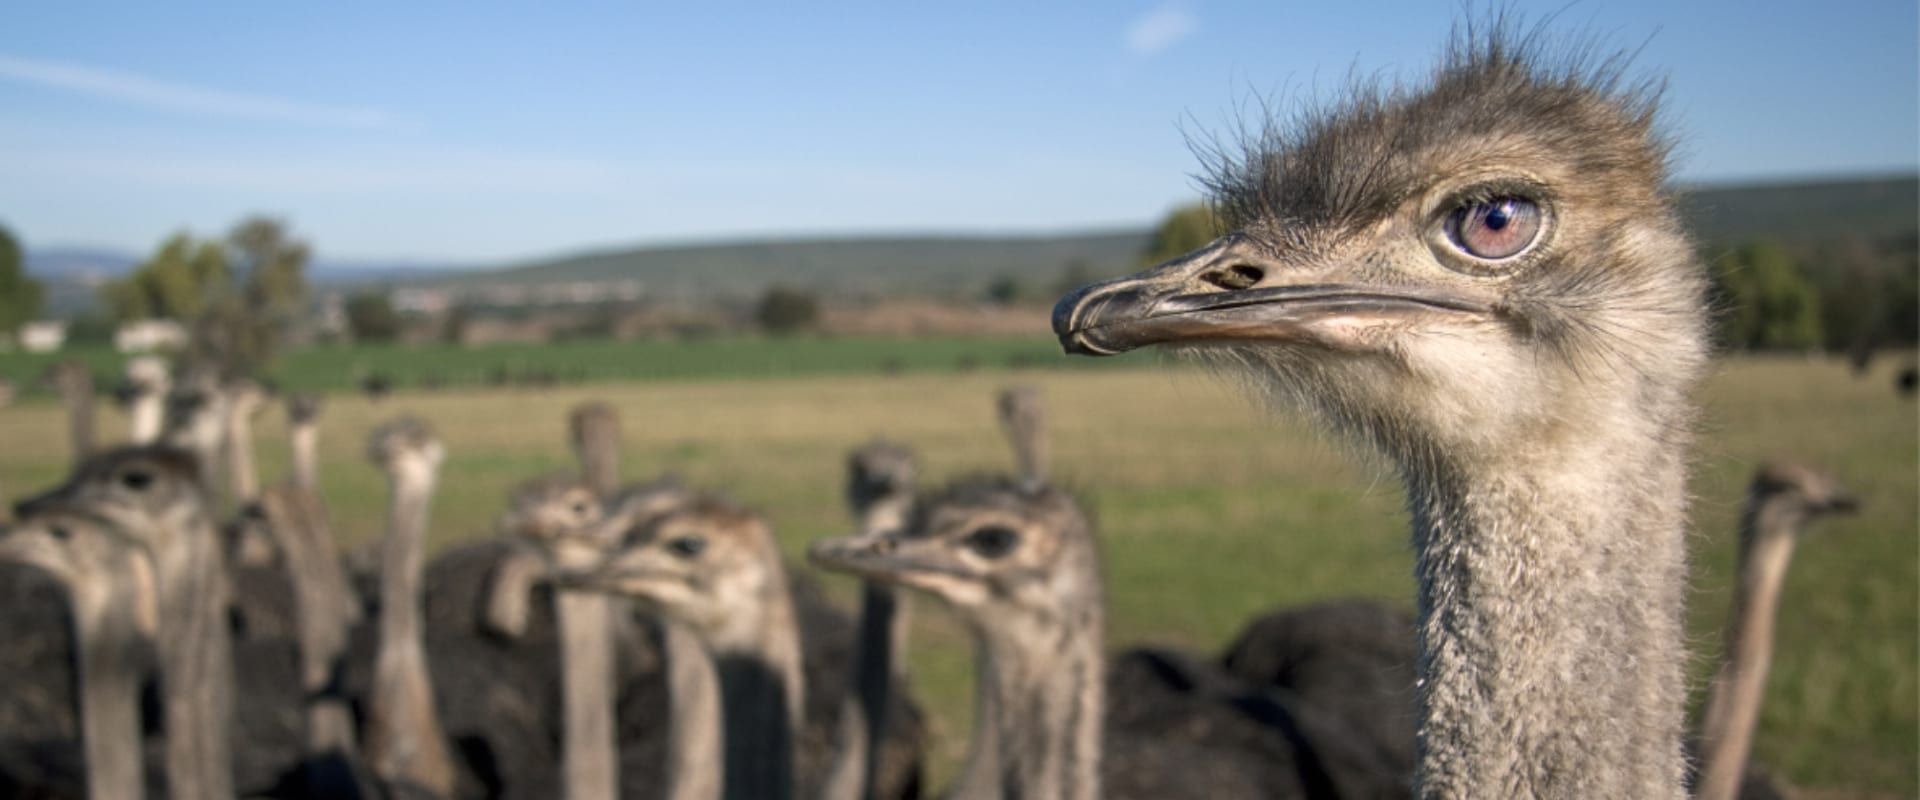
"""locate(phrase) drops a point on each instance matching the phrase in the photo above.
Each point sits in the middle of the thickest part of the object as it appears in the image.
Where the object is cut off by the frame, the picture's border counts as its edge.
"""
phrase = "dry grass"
(1210, 511)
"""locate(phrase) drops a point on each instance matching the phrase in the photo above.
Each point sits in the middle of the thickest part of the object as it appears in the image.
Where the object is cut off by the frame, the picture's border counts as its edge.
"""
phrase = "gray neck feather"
(306, 455)
(405, 744)
(111, 665)
(694, 745)
(1047, 700)
(1550, 592)
(880, 643)
(196, 662)
(586, 632)
(761, 699)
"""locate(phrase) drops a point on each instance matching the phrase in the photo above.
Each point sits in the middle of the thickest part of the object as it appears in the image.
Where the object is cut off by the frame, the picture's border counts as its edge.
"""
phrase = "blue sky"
(486, 133)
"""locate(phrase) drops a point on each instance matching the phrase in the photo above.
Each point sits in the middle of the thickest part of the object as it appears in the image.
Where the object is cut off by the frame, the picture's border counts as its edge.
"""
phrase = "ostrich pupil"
(1499, 215)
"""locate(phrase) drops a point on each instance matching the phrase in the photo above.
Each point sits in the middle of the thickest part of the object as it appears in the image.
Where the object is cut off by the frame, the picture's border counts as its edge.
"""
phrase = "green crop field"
(1210, 511)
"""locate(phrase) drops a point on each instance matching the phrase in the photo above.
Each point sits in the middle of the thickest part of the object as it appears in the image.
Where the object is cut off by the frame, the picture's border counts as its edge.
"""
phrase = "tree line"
(242, 294)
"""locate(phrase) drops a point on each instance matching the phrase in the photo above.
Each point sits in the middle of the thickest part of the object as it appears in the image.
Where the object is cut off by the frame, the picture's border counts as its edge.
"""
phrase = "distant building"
(149, 335)
(44, 336)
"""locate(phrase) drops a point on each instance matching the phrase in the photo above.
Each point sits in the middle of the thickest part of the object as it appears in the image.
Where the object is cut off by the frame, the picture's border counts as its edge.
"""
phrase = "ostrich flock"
(1481, 278)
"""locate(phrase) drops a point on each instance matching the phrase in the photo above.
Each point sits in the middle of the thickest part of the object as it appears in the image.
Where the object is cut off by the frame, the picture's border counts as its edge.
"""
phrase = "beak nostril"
(1238, 276)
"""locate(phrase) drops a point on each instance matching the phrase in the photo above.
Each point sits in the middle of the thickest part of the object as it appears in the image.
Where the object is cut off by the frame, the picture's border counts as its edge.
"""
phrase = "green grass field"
(1210, 511)
(339, 369)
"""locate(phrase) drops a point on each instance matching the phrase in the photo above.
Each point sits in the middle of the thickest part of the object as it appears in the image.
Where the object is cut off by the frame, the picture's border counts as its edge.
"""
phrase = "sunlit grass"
(1210, 511)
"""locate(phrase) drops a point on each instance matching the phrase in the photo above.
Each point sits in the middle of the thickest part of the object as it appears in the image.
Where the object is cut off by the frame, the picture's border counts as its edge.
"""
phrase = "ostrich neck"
(694, 746)
(78, 397)
(110, 670)
(1550, 591)
(325, 605)
(880, 643)
(762, 705)
(145, 416)
(242, 478)
(404, 742)
(586, 634)
(1046, 687)
(979, 777)
(1734, 709)
(196, 661)
(306, 455)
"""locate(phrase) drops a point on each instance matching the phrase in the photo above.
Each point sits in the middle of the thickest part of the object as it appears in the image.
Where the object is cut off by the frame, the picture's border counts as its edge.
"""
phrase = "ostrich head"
(1006, 557)
(1447, 268)
(303, 408)
(1786, 495)
(543, 509)
(880, 472)
(138, 490)
(93, 560)
(406, 447)
(708, 564)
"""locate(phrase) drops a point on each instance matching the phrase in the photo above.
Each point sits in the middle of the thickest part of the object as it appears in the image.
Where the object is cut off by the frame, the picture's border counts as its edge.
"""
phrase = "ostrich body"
(147, 386)
(110, 588)
(155, 497)
(1782, 500)
(880, 480)
(405, 745)
(1485, 279)
(716, 569)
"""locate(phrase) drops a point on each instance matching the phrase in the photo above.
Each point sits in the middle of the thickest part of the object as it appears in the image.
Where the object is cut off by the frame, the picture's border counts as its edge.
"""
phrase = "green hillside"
(917, 265)
(1800, 214)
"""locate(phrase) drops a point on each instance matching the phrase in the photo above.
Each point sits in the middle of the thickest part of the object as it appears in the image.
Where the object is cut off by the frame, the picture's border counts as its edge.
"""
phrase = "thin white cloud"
(144, 91)
(1159, 29)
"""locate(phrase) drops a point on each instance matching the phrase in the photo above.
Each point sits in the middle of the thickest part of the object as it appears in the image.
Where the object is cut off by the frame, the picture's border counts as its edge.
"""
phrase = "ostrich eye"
(993, 541)
(687, 546)
(1497, 228)
(136, 480)
(580, 508)
(60, 532)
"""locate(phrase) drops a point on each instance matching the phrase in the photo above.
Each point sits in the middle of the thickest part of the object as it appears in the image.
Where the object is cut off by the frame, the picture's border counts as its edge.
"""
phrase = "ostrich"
(1018, 561)
(75, 384)
(196, 421)
(325, 611)
(1022, 570)
(155, 497)
(1782, 500)
(405, 745)
(110, 588)
(1485, 279)
(243, 401)
(545, 511)
(147, 385)
(880, 481)
(716, 569)
(303, 431)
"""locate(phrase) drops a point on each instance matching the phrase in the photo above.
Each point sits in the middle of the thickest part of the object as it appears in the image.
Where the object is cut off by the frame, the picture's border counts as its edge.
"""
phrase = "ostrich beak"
(879, 556)
(1842, 504)
(1227, 292)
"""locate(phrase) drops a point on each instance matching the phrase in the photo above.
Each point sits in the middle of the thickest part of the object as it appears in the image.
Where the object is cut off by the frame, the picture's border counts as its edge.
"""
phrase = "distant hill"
(928, 265)
(1876, 208)
(1879, 208)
